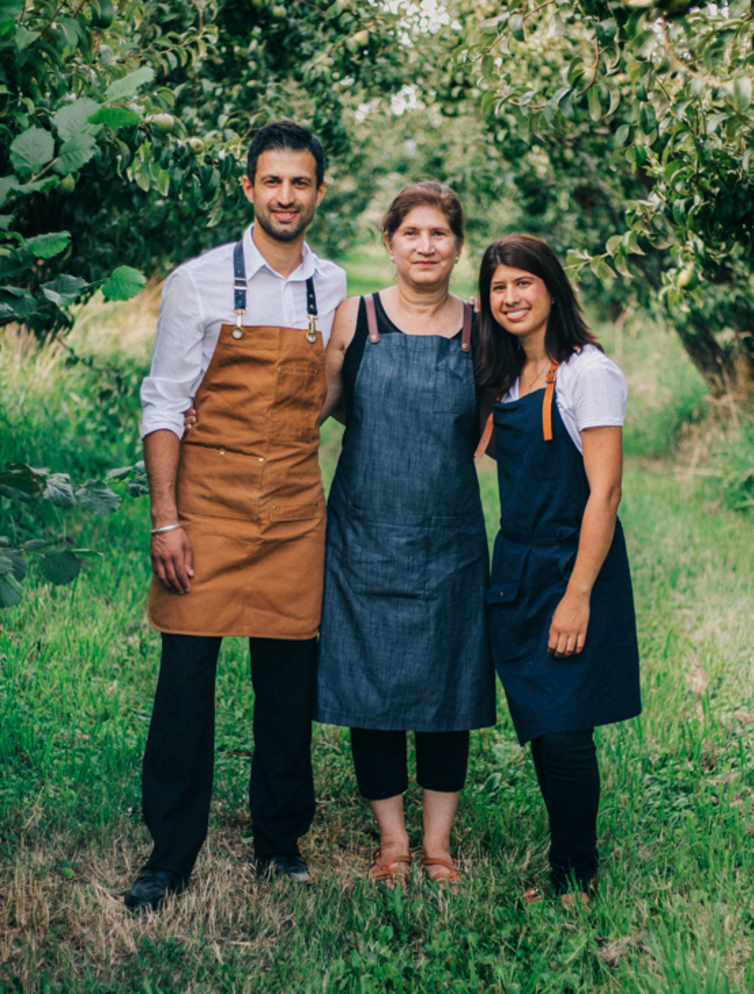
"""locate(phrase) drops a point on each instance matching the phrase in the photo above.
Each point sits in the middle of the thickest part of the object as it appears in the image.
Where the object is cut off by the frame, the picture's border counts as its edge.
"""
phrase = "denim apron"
(543, 493)
(404, 641)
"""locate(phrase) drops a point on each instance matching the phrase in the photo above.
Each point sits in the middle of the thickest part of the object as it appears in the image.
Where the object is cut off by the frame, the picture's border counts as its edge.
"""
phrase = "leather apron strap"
(484, 441)
(239, 296)
(374, 331)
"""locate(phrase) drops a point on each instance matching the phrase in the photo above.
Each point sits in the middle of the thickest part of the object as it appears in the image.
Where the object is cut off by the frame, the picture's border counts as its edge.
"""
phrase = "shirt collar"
(255, 261)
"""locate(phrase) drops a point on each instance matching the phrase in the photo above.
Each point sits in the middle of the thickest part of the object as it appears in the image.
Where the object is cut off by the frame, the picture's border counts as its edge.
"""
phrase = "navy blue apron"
(543, 493)
(404, 642)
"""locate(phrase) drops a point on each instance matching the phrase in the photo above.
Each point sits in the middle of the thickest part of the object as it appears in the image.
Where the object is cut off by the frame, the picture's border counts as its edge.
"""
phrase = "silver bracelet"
(165, 528)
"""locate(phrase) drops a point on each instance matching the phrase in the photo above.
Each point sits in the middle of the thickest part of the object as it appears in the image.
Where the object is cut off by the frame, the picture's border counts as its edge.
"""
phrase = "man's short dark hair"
(286, 135)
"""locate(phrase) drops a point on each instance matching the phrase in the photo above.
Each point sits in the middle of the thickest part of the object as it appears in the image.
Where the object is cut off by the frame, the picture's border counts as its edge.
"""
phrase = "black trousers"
(569, 778)
(179, 757)
(379, 758)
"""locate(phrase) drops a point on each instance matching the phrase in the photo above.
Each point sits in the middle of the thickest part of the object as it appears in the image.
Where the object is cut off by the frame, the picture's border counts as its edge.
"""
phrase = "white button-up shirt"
(198, 299)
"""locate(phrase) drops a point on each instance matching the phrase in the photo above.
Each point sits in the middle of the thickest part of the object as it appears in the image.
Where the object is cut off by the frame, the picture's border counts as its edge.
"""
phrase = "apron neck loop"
(547, 403)
(466, 333)
(374, 332)
(239, 282)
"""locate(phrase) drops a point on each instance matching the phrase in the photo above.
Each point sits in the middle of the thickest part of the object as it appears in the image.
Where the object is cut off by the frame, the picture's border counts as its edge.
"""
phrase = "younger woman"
(561, 605)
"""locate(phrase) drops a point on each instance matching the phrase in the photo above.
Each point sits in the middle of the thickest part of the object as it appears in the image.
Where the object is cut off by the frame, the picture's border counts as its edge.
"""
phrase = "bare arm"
(343, 330)
(603, 462)
(171, 552)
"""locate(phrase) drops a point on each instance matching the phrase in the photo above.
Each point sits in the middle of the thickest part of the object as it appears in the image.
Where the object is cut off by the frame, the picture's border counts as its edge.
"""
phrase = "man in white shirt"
(237, 507)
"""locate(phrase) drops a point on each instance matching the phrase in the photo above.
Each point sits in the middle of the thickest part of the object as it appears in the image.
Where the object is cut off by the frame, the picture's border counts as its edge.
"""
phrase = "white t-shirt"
(591, 392)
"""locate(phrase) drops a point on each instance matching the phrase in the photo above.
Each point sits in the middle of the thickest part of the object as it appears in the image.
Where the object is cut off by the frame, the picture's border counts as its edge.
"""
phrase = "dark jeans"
(379, 758)
(569, 778)
(179, 757)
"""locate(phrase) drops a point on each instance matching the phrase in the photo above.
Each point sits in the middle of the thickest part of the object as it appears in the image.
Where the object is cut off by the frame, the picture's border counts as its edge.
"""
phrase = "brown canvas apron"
(249, 489)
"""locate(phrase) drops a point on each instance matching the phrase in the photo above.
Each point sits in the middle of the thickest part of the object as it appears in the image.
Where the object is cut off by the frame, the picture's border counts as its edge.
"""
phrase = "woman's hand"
(569, 624)
(189, 420)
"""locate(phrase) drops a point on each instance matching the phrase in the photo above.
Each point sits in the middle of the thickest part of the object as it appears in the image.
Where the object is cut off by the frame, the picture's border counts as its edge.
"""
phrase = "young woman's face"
(424, 248)
(520, 302)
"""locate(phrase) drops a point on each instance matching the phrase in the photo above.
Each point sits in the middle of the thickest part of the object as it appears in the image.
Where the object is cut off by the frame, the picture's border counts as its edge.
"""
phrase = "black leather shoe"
(150, 889)
(284, 865)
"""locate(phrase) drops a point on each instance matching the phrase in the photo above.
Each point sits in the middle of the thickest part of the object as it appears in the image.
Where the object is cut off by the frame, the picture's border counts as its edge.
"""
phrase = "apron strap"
(547, 403)
(239, 282)
(484, 441)
(374, 331)
(466, 333)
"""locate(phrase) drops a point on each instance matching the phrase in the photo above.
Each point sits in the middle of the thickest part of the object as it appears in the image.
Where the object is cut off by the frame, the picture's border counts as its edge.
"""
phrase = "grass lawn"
(78, 668)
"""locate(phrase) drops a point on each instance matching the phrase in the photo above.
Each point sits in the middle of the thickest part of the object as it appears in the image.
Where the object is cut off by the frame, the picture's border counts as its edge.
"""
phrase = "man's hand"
(569, 625)
(190, 417)
(173, 560)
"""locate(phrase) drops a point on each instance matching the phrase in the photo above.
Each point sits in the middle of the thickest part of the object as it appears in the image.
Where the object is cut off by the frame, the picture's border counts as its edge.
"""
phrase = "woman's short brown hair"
(428, 193)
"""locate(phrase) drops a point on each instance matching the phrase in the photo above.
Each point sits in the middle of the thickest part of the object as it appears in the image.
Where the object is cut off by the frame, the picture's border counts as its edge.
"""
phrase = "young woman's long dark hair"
(499, 357)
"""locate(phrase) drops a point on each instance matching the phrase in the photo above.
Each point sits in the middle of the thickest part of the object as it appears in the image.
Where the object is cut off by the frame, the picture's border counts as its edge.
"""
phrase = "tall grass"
(78, 667)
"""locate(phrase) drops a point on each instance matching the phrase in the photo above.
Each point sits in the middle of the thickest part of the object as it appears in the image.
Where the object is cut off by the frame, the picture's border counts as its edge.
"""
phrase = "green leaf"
(115, 117)
(75, 153)
(35, 544)
(620, 136)
(64, 290)
(606, 31)
(11, 591)
(96, 496)
(648, 119)
(137, 488)
(595, 109)
(128, 85)
(742, 93)
(18, 303)
(5, 221)
(621, 264)
(31, 150)
(612, 243)
(59, 490)
(24, 37)
(7, 186)
(74, 118)
(48, 246)
(10, 9)
(21, 477)
(119, 474)
(124, 283)
(517, 27)
(12, 562)
(60, 567)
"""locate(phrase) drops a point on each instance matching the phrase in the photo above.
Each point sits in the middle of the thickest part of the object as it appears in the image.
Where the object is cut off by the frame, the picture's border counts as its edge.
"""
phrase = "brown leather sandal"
(390, 872)
(533, 895)
(440, 870)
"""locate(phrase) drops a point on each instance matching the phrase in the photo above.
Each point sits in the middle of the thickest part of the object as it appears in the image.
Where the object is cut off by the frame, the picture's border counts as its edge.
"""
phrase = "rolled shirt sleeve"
(177, 358)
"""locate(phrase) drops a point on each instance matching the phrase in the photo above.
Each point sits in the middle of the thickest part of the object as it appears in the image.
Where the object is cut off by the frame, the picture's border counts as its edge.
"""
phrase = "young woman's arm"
(343, 329)
(603, 462)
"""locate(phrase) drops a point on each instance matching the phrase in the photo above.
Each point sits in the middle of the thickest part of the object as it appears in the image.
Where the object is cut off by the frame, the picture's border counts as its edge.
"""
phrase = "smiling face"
(284, 192)
(520, 302)
(424, 247)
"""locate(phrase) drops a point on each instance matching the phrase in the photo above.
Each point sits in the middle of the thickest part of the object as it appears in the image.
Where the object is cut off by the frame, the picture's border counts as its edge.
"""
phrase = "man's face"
(284, 192)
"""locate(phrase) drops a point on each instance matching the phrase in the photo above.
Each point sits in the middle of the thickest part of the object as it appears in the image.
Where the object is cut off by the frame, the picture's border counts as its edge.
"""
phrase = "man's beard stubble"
(287, 234)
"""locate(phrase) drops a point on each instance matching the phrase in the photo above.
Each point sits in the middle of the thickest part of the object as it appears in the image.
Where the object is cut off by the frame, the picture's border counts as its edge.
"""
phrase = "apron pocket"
(299, 395)
(218, 483)
(296, 512)
(383, 559)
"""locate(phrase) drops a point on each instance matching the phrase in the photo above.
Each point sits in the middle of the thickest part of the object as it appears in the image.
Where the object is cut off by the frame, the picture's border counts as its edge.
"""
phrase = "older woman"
(404, 643)
(561, 605)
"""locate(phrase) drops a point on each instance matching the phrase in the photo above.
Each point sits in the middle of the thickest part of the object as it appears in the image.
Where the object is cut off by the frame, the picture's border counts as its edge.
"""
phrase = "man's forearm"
(161, 455)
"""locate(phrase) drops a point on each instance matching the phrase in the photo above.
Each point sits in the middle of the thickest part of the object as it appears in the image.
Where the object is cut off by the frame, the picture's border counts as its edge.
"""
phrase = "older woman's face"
(424, 248)
(520, 302)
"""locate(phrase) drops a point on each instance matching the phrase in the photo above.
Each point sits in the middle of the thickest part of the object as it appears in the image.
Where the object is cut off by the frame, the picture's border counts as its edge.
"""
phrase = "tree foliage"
(123, 137)
(641, 116)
